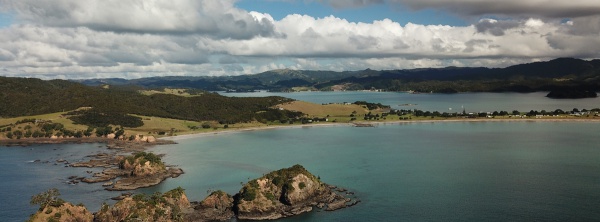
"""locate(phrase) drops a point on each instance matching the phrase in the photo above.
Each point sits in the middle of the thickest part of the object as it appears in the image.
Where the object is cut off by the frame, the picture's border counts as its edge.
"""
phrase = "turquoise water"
(461, 171)
(481, 171)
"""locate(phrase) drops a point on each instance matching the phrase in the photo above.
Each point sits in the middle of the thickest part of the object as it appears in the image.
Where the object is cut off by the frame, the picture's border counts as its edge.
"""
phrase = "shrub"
(248, 194)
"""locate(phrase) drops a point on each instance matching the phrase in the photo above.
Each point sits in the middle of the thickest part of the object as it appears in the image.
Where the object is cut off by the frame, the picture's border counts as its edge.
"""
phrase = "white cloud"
(218, 19)
(533, 8)
(331, 37)
(49, 44)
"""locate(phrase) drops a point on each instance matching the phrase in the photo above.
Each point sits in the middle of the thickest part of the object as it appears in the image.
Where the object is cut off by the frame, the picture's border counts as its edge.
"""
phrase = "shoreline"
(135, 145)
(375, 123)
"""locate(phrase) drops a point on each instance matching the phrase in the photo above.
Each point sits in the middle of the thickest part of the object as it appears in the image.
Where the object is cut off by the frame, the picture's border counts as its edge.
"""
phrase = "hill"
(25, 97)
(538, 76)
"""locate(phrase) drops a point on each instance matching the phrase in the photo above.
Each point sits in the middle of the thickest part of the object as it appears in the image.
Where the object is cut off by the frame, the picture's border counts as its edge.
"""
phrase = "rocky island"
(282, 193)
(135, 171)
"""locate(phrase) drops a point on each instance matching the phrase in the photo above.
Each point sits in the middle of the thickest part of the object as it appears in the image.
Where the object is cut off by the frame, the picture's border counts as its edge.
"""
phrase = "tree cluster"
(22, 97)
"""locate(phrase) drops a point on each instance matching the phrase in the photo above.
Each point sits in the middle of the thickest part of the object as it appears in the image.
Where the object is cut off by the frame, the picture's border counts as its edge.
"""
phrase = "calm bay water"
(460, 171)
(472, 102)
(516, 171)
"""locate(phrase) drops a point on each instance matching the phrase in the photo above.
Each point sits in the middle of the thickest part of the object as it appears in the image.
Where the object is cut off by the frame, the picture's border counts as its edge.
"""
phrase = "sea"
(427, 171)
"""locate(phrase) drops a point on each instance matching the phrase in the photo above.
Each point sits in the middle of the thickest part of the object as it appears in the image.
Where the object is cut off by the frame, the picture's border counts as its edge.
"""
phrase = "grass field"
(152, 125)
(333, 110)
(177, 92)
(54, 117)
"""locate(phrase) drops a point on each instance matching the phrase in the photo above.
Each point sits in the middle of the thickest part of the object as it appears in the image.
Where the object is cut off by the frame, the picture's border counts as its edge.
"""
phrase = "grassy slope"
(177, 92)
(340, 112)
(54, 117)
(337, 112)
(151, 125)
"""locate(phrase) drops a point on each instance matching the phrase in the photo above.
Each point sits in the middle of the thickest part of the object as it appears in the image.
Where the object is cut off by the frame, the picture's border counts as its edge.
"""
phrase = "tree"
(37, 134)
(516, 112)
(18, 134)
(119, 133)
(48, 198)
(88, 132)
(28, 133)
(9, 135)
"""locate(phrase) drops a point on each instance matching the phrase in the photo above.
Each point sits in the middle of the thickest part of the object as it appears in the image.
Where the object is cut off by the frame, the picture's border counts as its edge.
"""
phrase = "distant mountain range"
(557, 74)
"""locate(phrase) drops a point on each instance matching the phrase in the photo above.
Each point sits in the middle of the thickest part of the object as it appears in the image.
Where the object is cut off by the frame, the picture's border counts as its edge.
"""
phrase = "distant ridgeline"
(552, 75)
(27, 96)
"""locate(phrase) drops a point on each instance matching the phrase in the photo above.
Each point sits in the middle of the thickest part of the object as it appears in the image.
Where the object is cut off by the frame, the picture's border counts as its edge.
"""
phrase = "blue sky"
(6, 19)
(78, 39)
(368, 14)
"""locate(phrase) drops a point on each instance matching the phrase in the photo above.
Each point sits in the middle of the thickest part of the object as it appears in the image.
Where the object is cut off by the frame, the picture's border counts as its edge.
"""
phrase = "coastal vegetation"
(80, 111)
(64, 125)
(143, 207)
(54, 209)
(25, 97)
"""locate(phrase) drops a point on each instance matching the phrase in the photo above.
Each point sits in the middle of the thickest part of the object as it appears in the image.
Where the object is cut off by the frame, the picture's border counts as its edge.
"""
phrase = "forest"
(28, 96)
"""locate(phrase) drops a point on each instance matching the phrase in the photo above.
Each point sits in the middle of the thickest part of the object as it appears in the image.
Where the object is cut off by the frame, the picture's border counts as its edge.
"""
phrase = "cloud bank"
(132, 39)
(534, 8)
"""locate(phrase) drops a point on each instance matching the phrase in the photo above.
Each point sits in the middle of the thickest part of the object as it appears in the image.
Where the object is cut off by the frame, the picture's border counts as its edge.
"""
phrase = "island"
(135, 171)
(282, 193)
(571, 94)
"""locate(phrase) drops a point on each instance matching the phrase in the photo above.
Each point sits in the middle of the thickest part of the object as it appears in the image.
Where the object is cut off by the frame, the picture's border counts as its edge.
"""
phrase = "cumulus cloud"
(535, 8)
(214, 18)
(495, 27)
(332, 37)
(54, 41)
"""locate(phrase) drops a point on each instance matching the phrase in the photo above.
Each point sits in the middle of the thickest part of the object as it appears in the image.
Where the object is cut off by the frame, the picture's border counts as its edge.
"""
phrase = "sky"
(82, 39)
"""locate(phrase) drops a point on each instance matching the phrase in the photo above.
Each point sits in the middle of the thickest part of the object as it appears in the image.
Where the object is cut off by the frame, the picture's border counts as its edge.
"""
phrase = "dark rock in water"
(340, 189)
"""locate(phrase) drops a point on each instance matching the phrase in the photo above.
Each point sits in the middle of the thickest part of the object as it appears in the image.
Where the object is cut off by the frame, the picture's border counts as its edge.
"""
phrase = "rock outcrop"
(218, 206)
(285, 193)
(64, 212)
(135, 171)
(143, 170)
(170, 206)
(281, 193)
